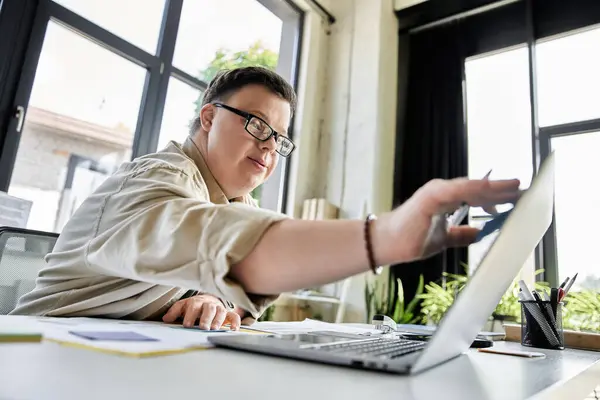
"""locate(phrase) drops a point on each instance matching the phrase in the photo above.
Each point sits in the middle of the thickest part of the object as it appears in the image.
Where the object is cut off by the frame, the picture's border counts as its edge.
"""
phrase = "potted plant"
(378, 301)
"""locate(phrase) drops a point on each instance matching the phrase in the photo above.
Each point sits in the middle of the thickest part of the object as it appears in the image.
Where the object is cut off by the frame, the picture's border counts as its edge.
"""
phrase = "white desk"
(52, 371)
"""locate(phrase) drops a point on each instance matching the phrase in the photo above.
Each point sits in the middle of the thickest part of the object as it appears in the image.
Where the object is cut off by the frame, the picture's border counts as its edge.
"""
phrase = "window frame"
(24, 56)
(546, 134)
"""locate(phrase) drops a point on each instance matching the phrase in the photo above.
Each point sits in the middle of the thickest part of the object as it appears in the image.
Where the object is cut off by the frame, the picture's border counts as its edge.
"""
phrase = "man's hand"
(418, 228)
(209, 310)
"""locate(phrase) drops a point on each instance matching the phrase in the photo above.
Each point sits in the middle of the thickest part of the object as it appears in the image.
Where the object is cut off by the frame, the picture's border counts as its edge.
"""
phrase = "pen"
(569, 285)
(517, 353)
(562, 285)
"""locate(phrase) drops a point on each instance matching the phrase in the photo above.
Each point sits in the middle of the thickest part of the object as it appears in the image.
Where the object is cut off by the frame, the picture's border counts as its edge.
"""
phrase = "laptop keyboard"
(379, 347)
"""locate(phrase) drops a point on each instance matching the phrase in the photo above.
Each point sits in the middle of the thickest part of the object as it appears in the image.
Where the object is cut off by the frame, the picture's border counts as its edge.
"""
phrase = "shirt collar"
(214, 190)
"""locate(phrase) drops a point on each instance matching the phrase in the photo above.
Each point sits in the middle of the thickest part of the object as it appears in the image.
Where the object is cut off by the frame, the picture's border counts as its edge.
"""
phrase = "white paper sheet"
(171, 338)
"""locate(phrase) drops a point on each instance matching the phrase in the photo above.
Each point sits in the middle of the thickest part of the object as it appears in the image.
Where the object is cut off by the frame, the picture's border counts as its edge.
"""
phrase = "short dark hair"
(227, 82)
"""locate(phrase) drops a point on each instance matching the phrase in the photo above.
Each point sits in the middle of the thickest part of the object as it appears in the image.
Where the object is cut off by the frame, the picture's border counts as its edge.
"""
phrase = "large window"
(497, 91)
(104, 82)
(501, 137)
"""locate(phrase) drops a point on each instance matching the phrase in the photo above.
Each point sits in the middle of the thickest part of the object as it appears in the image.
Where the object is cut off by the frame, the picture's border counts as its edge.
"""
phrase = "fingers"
(461, 236)
(193, 311)
(234, 319)
(209, 310)
(210, 315)
(442, 196)
(219, 318)
(485, 192)
(174, 312)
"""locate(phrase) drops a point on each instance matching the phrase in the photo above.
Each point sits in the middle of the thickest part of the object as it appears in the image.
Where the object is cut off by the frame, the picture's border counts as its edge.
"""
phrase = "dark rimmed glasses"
(259, 129)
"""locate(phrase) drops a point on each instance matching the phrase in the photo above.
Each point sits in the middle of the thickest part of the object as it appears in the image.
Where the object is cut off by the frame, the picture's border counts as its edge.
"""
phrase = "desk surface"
(52, 371)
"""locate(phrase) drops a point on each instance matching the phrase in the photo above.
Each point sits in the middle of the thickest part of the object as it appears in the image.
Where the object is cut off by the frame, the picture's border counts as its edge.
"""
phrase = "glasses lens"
(258, 128)
(284, 146)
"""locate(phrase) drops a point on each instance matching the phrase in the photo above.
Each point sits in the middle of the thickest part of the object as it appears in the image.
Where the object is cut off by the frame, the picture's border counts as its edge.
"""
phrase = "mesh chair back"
(22, 255)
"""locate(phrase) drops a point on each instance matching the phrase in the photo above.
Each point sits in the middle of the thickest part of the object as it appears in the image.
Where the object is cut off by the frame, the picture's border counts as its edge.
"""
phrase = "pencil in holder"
(541, 324)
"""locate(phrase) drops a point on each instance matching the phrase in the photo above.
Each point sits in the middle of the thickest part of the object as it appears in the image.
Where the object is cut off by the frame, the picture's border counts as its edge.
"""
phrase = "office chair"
(22, 253)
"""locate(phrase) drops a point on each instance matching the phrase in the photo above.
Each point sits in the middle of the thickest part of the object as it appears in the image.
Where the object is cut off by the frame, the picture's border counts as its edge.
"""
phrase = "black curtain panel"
(432, 141)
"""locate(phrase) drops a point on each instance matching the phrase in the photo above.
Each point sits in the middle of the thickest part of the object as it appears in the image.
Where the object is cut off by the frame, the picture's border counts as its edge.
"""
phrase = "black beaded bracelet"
(369, 245)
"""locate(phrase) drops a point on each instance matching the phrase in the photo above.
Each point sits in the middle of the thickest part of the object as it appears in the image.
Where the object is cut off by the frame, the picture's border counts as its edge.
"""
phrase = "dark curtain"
(432, 141)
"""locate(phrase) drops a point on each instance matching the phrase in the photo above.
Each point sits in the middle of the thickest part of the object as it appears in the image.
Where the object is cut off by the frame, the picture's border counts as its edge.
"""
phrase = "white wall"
(346, 129)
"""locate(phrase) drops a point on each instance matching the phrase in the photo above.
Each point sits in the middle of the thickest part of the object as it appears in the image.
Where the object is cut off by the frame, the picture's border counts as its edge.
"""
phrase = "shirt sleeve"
(155, 229)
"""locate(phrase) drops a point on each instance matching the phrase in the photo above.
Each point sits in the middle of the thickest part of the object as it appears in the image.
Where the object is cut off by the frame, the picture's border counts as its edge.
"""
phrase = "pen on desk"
(529, 354)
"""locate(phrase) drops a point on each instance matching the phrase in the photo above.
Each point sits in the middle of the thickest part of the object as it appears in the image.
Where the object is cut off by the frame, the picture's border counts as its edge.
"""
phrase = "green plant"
(582, 311)
(437, 299)
(380, 302)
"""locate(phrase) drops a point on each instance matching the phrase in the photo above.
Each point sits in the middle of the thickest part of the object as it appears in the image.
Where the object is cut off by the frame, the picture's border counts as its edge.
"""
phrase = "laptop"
(513, 244)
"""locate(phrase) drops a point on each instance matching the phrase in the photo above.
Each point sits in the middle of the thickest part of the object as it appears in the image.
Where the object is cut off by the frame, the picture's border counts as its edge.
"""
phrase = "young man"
(179, 221)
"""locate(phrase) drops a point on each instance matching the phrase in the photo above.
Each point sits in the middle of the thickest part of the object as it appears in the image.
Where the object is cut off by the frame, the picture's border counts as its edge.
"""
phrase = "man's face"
(238, 161)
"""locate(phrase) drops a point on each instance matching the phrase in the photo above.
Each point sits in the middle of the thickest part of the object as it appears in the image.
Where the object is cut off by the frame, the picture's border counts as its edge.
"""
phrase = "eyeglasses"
(259, 129)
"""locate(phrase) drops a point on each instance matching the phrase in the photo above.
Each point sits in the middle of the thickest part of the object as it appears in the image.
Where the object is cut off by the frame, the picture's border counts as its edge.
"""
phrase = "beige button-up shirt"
(158, 227)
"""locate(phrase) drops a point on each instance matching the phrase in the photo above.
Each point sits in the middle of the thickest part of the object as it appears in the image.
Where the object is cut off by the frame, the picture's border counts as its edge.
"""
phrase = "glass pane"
(577, 207)
(568, 79)
(137, 21)
(499, 117)
(181, 107)
(80, 125)
(217, 34)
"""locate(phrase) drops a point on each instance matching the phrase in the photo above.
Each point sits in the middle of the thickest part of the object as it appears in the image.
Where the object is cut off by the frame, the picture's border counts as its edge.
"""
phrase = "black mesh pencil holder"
(541, 325)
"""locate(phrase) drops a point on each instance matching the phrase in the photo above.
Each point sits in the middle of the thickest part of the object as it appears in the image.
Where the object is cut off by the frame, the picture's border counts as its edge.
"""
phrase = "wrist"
(382, 241)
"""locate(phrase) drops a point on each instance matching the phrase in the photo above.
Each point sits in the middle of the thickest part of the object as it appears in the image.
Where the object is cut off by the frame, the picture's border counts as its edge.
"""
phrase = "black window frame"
(26, 22)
